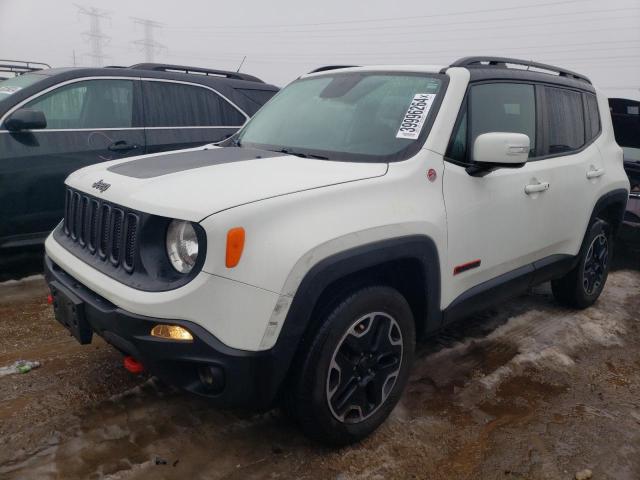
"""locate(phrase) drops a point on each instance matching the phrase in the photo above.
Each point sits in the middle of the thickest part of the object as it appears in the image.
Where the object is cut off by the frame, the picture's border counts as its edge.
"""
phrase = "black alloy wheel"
(364, 367)
(595, 264)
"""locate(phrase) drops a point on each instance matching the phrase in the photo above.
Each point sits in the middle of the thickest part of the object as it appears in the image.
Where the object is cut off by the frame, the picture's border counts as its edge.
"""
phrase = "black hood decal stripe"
(177, 162)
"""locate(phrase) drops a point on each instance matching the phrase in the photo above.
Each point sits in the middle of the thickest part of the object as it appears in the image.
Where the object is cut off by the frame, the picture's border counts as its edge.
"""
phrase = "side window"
(593, 116)
(180, 105)
(565, 120)
(256, 97)
(494, 107)
(503, 107)
(88, 104)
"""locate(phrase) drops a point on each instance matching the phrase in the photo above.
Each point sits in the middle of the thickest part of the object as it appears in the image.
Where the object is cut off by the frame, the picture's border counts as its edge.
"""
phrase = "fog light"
(212, 378)
(172, 332)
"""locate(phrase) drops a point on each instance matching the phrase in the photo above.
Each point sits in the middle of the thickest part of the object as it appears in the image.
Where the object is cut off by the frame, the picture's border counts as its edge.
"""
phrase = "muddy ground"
(529, 390)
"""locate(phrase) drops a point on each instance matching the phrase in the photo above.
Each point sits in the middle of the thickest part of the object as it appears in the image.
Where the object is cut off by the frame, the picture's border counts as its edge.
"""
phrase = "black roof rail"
(501, 62)
(331, 67)
(19, 66)
(162, 67)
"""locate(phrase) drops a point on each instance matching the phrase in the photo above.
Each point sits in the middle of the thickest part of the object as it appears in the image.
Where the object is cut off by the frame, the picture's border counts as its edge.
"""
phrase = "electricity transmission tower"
(97, 39)
(148, 44)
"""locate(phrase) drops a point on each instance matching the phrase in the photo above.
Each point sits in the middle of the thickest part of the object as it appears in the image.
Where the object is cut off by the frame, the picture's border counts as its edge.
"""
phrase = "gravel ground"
(528, 390)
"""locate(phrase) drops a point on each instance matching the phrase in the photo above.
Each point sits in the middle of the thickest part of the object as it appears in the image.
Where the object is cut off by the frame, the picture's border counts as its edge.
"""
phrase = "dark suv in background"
(55, 121)
(625, 115)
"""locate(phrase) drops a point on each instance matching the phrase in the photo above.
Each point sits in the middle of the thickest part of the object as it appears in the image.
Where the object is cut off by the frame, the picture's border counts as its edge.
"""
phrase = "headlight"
(182, 245)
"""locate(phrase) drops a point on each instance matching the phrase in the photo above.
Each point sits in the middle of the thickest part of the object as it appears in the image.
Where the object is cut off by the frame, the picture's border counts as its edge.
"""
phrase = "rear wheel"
(582, 286)
(356, 367)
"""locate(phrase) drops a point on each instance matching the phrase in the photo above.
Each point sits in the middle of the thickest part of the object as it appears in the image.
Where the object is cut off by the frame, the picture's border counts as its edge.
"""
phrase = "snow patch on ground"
(22, 281)
(546, 338)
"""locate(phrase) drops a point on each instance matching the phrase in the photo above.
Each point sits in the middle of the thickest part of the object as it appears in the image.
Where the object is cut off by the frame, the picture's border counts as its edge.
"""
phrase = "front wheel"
(582, 286)
(356, 367)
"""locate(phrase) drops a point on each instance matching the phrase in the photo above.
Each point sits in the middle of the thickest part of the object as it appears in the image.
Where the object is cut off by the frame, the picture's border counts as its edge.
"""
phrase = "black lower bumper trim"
(252, 379)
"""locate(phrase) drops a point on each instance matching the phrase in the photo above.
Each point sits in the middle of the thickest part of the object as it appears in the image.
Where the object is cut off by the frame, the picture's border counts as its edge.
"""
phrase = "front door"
(88, 121)
(495, 222)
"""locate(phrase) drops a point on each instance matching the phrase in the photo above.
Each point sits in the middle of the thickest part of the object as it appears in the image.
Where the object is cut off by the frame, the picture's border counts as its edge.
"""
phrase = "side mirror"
(502, 149)
(26, 119)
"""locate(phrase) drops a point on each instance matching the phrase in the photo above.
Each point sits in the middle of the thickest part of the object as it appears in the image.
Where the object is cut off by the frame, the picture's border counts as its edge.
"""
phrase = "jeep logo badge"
(101, 185)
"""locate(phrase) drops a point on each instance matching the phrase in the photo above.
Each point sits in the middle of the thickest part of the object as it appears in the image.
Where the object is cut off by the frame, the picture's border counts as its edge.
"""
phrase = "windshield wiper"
(288, 151)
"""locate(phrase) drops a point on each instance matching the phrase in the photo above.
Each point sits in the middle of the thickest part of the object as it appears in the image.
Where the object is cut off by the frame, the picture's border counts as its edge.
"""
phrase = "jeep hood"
(193, 184)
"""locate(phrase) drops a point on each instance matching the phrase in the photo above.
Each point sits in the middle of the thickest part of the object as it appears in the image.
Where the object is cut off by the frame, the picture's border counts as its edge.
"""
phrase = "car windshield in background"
(12, 85)
(353, 116)
(625, 115)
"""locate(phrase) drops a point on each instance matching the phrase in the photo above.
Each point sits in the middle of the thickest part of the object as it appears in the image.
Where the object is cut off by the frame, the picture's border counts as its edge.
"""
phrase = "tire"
(351, 338)
(582, 286)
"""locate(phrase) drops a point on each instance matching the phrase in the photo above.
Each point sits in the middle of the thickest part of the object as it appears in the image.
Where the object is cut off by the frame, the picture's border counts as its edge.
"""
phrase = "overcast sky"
(284, 38)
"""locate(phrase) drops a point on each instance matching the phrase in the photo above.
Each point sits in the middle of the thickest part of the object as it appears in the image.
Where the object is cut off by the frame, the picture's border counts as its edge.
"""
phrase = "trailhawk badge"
(101, 185)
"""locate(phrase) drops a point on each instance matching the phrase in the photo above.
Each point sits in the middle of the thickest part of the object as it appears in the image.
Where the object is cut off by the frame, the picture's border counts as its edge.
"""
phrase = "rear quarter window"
(593, 116)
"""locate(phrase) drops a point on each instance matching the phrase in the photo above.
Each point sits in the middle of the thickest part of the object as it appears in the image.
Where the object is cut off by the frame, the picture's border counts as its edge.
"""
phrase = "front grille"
(106, 231)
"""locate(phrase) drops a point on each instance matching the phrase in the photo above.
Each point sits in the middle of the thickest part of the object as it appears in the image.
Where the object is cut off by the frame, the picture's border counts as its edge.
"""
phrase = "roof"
(482, 68)
(376, 68)
(156, 70)
(502, 68)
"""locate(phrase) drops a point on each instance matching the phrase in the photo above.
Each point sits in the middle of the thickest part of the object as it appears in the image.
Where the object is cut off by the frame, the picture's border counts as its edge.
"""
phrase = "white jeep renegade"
(360, 209)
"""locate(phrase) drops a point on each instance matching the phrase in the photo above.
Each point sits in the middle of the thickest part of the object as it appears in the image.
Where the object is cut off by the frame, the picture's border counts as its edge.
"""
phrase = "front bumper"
(249, 379)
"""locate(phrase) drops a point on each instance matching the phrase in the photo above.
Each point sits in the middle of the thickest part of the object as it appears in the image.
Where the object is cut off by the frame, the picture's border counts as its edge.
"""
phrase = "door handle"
(536, 188)
(122, 146)
(595, 173)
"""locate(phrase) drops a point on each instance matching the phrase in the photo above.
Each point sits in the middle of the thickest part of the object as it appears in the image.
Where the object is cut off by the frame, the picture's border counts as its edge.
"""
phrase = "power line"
(535, 47)
(391, 19)
(96, 38)
(344, 31)
(440, 39)
(384, 58)
(530, 49)
(148, 44)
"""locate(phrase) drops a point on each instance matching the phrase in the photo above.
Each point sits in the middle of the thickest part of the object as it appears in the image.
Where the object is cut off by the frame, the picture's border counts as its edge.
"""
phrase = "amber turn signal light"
(172, 332)
(235, 245)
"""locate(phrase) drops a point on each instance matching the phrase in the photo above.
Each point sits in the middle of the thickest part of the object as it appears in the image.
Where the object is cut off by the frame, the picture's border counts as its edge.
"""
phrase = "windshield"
(357, 116)
(12, 85)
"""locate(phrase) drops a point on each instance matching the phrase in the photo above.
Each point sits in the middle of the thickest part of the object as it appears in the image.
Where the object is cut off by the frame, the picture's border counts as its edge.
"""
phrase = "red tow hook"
(49, 299)
(132, 365)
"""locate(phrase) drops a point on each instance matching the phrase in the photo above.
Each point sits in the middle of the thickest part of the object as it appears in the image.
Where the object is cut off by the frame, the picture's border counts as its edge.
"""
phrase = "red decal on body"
(466, 266)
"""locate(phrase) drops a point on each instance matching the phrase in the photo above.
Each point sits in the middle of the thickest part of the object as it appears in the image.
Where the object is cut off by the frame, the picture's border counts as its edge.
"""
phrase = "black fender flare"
(335, 267)
(617, 197)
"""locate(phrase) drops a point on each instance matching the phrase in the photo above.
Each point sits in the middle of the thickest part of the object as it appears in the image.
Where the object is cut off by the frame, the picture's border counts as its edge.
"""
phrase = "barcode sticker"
(416, 115)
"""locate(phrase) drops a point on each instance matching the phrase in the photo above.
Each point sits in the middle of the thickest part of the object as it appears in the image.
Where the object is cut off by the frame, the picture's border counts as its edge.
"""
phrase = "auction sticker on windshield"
(9, 90)
(416, 115)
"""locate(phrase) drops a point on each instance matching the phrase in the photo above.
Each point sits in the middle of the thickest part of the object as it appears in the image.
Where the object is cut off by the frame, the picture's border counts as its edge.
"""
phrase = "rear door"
(573, 167)
(183, 115)
(88, 121)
